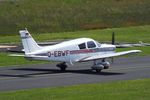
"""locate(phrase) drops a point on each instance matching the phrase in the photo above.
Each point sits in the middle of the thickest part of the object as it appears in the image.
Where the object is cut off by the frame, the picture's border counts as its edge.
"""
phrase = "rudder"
(28, 42)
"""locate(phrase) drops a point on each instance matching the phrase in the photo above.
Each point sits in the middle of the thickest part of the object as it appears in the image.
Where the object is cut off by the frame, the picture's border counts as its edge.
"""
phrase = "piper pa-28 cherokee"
(72, 51)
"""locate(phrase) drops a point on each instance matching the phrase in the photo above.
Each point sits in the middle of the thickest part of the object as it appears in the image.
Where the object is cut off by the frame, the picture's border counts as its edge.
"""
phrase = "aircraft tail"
(28, 42)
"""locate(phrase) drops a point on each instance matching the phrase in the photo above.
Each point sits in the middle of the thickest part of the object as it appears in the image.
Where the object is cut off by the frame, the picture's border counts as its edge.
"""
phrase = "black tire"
(63, 68)
(106, 67)
(98, 70)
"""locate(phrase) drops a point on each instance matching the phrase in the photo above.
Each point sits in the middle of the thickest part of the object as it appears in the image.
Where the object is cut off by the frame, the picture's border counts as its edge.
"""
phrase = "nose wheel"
(62, 66)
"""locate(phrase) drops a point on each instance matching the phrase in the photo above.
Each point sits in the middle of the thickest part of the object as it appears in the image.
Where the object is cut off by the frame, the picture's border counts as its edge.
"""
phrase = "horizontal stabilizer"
(17, 55)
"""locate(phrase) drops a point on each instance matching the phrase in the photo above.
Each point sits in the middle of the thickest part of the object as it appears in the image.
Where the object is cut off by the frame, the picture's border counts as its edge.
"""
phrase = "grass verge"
(128, 34)
(121, 90)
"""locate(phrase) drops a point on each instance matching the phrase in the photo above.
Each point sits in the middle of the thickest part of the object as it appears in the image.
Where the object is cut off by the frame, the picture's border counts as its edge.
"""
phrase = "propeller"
(113, 43)
(113, 38)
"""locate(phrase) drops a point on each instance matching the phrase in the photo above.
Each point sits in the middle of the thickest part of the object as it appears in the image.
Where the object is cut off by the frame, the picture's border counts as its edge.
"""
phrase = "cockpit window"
(82, 46)
(91, 44)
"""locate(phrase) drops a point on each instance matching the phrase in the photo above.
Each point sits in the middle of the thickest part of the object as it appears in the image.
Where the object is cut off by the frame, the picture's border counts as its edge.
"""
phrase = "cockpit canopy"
(89, 45)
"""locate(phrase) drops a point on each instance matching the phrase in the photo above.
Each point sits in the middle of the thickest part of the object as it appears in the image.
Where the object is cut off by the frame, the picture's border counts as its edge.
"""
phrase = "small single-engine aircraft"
(72, 51)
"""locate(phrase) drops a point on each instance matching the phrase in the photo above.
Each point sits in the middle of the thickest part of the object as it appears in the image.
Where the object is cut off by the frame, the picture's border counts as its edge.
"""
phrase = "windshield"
(98, 44)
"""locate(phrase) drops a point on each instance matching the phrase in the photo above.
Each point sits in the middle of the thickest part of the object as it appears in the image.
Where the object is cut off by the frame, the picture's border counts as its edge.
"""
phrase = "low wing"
(109, 55)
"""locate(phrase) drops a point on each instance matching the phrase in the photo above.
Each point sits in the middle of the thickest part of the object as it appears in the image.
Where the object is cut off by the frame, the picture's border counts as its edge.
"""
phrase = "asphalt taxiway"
(48, 75)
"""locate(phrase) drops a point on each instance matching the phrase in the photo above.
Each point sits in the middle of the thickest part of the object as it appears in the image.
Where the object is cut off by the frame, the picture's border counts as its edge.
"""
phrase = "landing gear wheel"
(98, 70)
(62, 66)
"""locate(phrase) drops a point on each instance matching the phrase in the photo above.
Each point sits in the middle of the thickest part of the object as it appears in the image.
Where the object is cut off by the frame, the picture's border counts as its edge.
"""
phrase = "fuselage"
(72, 51)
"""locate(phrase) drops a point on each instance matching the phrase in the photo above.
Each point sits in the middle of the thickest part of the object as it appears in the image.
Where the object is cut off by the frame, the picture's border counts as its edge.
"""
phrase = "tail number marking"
(58, 53)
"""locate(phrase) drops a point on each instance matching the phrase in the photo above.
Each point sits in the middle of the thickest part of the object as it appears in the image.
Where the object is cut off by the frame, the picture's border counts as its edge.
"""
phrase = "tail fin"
(28, 42)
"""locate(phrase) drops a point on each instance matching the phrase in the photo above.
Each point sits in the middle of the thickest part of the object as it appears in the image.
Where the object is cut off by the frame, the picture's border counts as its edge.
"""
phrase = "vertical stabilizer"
(28, 42)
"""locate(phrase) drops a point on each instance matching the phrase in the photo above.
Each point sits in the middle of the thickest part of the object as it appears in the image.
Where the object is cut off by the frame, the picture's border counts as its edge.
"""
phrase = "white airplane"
(72, 51)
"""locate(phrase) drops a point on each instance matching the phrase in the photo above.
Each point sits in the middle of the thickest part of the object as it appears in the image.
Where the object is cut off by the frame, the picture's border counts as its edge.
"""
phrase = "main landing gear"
(98, 66)
(62, 66)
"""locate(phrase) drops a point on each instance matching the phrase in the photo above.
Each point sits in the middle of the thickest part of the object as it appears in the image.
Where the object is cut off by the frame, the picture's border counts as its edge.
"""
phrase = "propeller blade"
(113, 38)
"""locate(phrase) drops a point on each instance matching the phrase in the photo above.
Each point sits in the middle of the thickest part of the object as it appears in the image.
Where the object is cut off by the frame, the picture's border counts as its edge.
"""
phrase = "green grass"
(71, 15)
(121, 90)
(128, 34)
